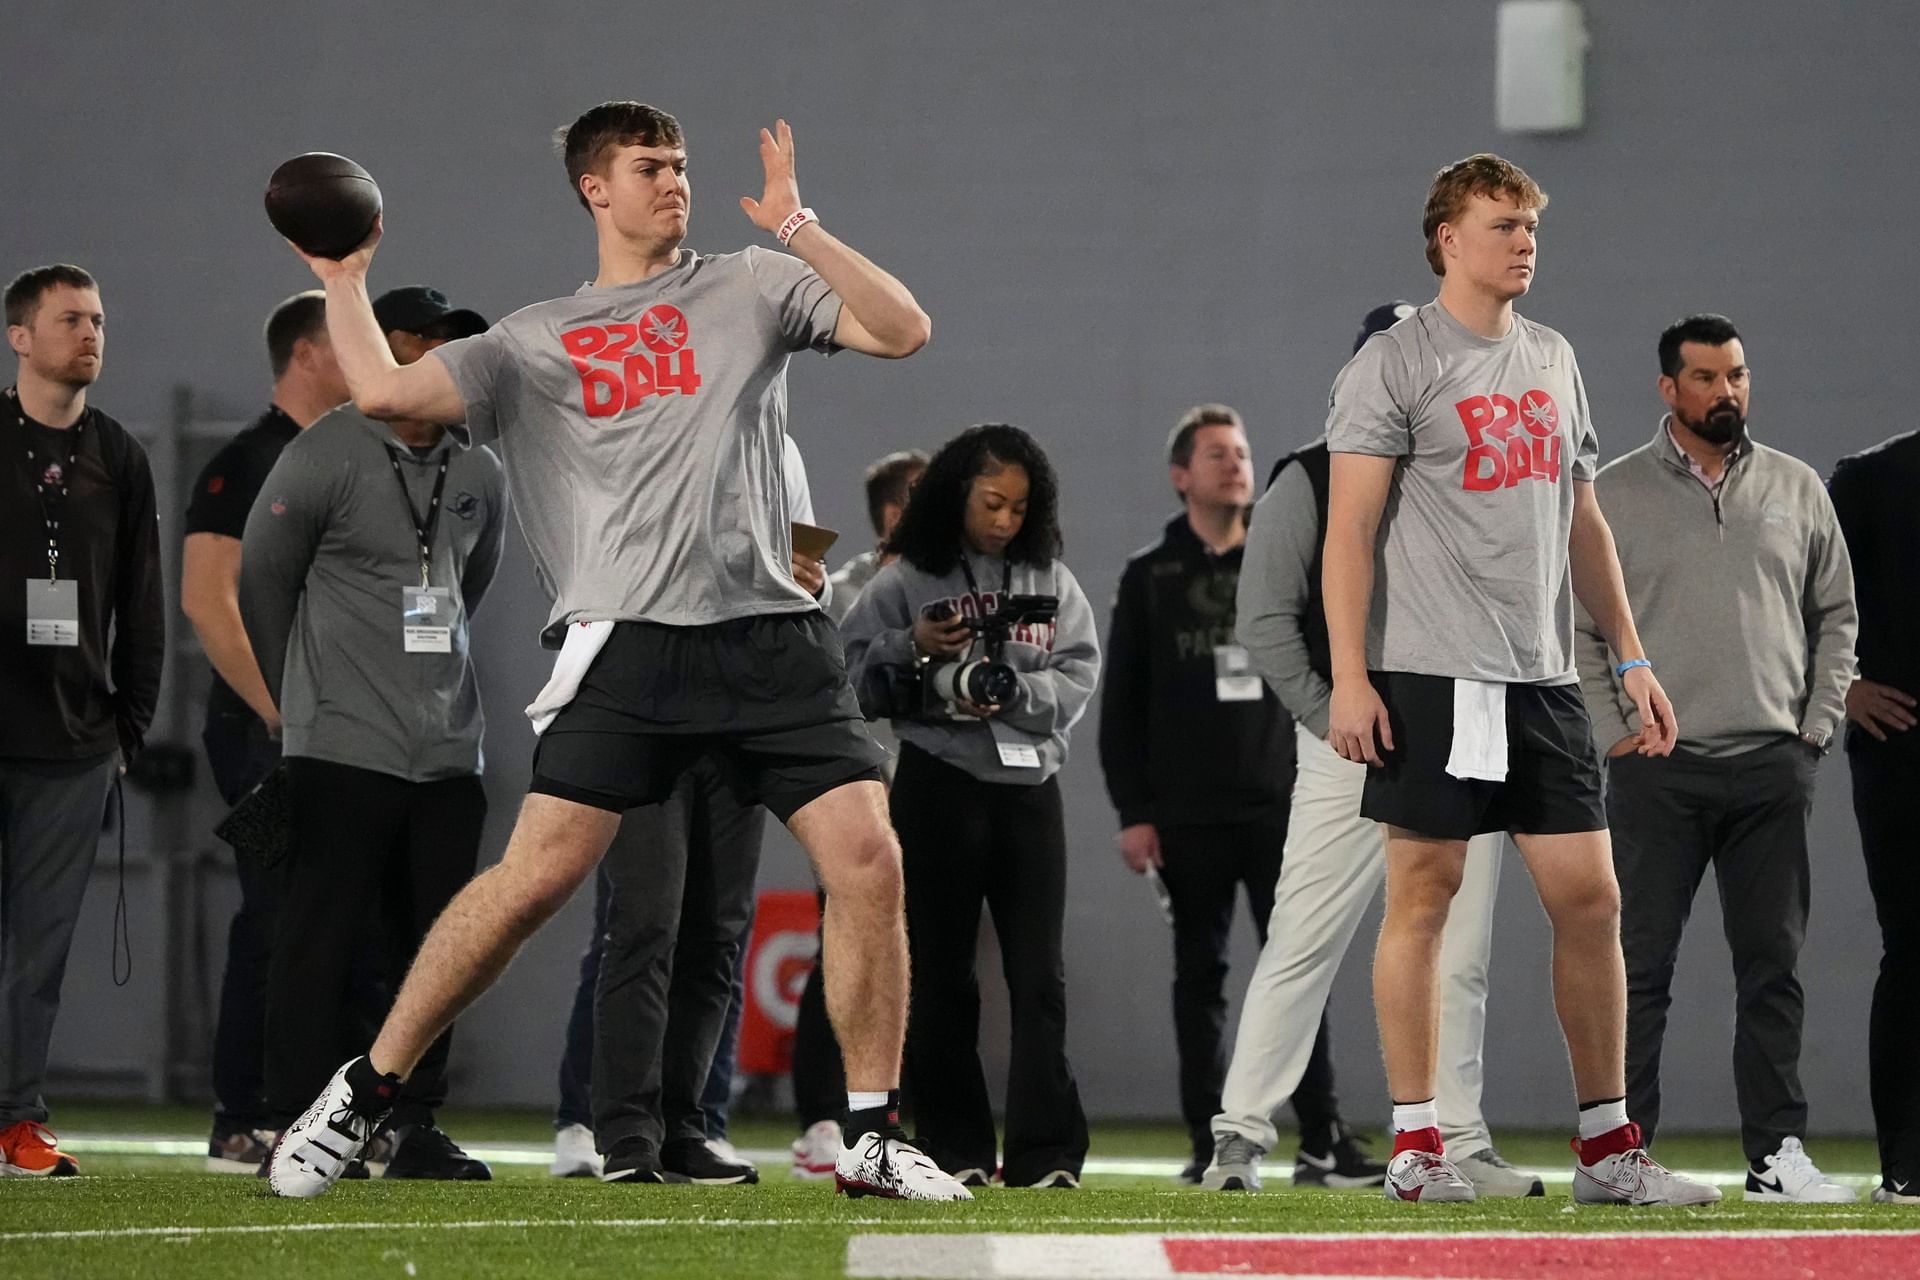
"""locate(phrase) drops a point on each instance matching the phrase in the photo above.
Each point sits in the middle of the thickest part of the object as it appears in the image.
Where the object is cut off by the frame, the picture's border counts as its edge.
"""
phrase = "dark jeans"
(241, 754)
(1886, 779)
(819, 1077)
(363, 842)
(1204, 869)
(1746, 816)
(682, 878)
(964, 843)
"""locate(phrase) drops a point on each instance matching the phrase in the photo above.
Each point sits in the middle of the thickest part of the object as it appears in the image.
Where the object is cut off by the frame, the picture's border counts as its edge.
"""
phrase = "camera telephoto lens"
(990, 683)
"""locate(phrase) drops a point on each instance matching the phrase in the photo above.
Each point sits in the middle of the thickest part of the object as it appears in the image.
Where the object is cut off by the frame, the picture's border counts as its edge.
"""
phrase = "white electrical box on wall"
(1540, 66)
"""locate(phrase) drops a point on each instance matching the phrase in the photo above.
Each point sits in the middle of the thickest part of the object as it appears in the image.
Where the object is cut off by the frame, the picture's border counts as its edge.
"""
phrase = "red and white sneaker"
(29, 1150)
(817, 1150)
(1418, 1171)
(886, 1164)
(1615, 1169)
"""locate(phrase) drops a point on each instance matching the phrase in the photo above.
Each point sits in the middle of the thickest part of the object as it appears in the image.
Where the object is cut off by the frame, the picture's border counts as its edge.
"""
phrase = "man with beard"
(81, 645)
(1738, 576)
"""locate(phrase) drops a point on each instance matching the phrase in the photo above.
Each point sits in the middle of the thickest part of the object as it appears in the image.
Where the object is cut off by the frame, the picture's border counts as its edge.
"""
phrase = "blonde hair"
(1484, 174)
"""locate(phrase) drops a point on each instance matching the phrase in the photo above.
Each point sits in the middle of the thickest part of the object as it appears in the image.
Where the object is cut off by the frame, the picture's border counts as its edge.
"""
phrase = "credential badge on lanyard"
(53, 605)
(426, 612)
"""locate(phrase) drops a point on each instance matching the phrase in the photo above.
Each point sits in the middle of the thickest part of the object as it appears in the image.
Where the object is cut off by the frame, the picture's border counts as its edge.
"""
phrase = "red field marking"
(1823, 1255)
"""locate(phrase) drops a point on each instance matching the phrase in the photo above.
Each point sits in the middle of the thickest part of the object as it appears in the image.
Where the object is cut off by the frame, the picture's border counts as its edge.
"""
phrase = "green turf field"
(158, 1215)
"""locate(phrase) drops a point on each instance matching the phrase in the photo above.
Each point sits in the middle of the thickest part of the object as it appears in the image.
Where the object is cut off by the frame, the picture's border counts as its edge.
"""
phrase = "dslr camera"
(928, 689)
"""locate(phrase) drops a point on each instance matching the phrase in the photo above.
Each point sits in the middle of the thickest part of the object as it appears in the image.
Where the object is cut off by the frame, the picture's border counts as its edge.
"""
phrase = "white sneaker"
(1789, 1174)
(878, 1164)
(313, 1151)
(573, 1153)
(1891, 1192)
(1058, 1179)
(1634, 1177)
(1492, 1176)
(1425, 1176)
(816, 1150)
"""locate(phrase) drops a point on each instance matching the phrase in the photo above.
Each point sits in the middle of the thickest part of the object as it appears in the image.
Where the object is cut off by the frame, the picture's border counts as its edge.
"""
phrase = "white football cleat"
(1427, 1177)
(887, 1165)
(1636, 1178)
(311, 1153)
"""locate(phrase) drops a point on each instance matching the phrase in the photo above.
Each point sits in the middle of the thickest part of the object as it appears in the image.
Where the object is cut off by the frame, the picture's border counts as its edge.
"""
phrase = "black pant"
(966, 842)
(365, 843)
(1746, 815)
(1203, 869)
(1886, 778)
(682, 875)
(819, 1077)
(240, 754)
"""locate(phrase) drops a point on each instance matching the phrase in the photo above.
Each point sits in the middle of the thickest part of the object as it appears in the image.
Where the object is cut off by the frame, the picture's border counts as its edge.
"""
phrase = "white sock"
(1604, 1118)
(866, 1101)
(1415, 1115)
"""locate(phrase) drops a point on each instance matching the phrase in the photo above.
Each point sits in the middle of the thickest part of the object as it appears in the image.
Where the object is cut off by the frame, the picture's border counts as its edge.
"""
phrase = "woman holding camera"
(980, 646)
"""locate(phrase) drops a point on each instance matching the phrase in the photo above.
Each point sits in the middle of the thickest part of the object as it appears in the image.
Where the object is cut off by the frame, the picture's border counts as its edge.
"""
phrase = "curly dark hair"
(928, 535)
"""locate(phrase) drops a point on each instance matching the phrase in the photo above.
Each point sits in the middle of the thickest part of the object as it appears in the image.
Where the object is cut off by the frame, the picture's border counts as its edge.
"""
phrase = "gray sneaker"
(1236, 1164)
(1493, 1176)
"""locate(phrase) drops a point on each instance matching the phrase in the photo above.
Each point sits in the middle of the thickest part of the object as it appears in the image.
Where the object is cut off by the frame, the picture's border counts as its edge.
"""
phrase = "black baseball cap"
(1380, 319)
(415, 308)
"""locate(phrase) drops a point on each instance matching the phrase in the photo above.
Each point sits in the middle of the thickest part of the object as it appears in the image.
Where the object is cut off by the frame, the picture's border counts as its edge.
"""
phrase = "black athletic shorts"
(1553, 771)
(766, 696)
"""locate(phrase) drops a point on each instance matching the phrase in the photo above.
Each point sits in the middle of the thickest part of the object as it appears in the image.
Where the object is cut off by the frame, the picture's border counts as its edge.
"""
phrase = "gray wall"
(1112, 212)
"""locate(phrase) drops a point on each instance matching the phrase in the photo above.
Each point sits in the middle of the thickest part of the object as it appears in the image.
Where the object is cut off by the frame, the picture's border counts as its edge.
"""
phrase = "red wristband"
(798, 219)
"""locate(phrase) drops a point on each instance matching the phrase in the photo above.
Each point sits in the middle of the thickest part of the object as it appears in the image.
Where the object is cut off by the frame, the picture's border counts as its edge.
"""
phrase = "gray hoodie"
(1059, 663)
(328, 548)
(1742, 594)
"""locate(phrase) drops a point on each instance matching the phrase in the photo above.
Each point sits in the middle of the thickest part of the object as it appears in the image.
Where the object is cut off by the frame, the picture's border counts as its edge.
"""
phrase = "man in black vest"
(1198, 757)
(1335, 860)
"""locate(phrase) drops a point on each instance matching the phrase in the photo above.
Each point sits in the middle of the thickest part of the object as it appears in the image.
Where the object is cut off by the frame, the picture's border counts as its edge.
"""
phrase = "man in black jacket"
(1199, 759)
(79, 566)
(1873, 496)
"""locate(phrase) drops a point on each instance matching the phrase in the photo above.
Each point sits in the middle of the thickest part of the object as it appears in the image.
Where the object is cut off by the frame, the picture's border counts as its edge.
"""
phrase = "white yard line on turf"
(534, 1153)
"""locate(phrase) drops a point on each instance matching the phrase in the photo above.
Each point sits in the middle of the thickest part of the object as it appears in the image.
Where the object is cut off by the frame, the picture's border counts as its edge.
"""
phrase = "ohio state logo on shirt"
(1498, 456)
(620, 365)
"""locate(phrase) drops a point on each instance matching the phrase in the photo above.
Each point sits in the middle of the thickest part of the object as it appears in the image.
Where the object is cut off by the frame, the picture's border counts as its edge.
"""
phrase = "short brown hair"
(889, 479)
(1180, 441)
(304, 315)
(24, 294)
(584, 143)
(1484, 174)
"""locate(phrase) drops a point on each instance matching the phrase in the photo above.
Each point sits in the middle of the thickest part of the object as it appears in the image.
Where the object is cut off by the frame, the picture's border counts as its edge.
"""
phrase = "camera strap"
(973, 587)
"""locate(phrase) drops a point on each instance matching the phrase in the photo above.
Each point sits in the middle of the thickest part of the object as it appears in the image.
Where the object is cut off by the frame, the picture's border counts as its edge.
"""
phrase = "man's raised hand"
(354, 264)
(781, 198)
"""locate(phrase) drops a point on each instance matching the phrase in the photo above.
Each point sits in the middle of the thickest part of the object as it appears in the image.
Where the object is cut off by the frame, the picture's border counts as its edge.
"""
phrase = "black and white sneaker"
(1344, 1166)
(425, 1151)
(635, 1160)
(1058, 1180)
(704, 1166)
(313, 1152)
(242, 1150)
(883, 1163)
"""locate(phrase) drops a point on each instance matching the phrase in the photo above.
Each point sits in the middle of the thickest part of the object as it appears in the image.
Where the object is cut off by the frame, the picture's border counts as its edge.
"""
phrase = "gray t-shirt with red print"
(642, 426)
(1471, 569)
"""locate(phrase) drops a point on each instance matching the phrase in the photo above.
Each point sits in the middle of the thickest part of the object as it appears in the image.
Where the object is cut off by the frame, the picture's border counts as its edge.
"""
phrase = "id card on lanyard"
(426, 612)
(53, 603)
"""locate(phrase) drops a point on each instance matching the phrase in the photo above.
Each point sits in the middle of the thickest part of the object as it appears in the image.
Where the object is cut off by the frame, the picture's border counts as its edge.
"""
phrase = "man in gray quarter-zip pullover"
(1739, 578)
(369, 548)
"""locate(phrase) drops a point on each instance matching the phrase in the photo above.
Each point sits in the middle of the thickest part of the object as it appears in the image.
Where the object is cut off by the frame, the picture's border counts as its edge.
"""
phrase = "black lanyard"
(50, 508)
(973, 588)
(423, 527)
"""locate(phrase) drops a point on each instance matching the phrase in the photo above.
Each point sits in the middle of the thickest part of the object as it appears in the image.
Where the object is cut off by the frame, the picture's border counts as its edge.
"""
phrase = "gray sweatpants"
(1746, 816)
(50, 813)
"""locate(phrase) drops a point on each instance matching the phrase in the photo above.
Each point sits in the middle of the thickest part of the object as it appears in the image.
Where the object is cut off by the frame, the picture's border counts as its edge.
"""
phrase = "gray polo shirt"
(329, 547)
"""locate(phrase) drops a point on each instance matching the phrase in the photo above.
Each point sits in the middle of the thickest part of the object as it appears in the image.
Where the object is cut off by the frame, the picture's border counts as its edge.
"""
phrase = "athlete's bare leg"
(864, 937)
(555, 845)
(1574, 874)
(1423, 874)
